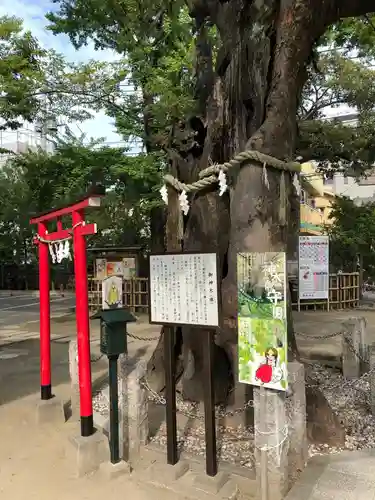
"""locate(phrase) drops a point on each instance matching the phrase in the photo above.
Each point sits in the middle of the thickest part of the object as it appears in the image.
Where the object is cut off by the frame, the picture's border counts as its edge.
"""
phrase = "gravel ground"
(350, 400)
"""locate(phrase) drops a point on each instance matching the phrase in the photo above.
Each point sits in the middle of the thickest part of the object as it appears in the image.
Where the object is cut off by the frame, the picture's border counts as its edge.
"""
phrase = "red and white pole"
(83, 325)
(45, 325)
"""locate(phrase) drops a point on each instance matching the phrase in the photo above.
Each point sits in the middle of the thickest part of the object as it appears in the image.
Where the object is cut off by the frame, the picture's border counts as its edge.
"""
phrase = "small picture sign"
(112, 293)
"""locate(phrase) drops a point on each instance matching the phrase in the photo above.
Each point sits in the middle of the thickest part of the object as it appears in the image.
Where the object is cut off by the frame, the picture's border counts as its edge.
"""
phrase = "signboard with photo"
(313, 267)
(115, 268)
(129, 267)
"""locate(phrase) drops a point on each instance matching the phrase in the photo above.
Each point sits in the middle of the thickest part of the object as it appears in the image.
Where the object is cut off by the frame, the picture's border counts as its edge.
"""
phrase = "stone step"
(188, 478)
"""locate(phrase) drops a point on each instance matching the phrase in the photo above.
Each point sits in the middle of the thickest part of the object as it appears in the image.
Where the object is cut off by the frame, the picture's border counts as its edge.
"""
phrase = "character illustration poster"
(262, 324)
(101, 269)
(112, 292)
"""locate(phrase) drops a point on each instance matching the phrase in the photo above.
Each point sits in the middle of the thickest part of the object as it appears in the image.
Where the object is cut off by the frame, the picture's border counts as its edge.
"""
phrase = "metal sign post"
(170, 394)
(184, 292)
(114, 441)
(113, 342)
(209, 404)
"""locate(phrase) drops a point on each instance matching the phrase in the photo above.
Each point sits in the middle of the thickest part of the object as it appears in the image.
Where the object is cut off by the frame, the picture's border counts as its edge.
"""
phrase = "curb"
(32, 293)
(58, 318)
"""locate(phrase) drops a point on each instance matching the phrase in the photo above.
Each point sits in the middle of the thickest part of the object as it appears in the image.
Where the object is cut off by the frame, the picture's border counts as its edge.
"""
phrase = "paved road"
(21, 308)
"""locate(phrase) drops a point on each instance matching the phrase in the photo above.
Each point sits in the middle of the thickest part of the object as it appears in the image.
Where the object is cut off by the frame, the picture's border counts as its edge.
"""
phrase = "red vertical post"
(45, 326)
(83, 326)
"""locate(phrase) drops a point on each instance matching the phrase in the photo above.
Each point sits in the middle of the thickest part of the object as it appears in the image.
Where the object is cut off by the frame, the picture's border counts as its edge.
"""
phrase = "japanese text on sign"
(313, 267)
(262, 319)
(183, 289)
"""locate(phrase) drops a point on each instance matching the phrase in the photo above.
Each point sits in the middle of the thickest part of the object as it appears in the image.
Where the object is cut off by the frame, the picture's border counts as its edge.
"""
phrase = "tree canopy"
(20, 71)
(158, 43)
(36, 181)
(352, 235)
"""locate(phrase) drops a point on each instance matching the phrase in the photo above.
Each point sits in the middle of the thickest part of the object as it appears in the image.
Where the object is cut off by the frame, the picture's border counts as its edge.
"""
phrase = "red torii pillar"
(77, 233)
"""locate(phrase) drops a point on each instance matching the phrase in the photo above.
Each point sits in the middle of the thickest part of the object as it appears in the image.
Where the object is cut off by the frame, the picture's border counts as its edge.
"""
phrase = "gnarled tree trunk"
(252, 104)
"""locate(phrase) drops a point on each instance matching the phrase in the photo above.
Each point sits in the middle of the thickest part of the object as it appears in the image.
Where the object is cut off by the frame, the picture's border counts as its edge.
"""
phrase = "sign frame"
(218, 280)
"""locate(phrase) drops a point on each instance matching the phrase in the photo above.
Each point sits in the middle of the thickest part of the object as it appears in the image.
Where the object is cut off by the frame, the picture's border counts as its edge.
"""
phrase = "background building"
(316, 199)
(360, 190)
(29, 136)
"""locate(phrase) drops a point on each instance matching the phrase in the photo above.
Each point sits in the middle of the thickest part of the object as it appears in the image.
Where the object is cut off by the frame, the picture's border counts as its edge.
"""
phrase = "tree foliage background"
(157, 43)
(36, 181)
(352, 236)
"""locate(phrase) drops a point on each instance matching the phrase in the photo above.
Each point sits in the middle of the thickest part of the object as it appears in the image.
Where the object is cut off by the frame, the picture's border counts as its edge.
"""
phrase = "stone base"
(165, 473)
(75, 407)
(91, 452)
(210, 484)
(112, 471)
(50, 411)
(231, 483)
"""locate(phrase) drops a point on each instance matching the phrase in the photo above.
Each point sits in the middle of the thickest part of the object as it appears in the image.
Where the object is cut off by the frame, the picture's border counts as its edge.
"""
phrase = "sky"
(33, 14)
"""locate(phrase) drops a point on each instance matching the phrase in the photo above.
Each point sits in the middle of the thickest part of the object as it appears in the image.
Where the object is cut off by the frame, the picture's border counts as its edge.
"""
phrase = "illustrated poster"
(101, 268)
(129, 268)
(115, 268)
(112, 292)
(183, 289)
(262, 320)
(313, 267)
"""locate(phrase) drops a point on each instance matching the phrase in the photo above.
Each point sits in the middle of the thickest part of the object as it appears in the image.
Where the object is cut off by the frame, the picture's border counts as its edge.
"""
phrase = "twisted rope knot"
(209, 175)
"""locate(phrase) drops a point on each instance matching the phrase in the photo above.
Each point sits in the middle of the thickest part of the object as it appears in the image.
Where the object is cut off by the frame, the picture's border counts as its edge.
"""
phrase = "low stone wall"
(133, 404)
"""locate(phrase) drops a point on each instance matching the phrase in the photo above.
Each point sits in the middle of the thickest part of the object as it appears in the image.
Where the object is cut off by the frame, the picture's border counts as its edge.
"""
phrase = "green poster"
(262, 324)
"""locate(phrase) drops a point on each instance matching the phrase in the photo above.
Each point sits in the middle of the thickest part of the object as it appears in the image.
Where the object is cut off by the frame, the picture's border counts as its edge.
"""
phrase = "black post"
(114, 444)
(209, 404)
(170, 394)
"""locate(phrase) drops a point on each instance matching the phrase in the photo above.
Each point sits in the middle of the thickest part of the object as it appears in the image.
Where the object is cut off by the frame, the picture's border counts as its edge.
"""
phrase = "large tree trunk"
(261, 69)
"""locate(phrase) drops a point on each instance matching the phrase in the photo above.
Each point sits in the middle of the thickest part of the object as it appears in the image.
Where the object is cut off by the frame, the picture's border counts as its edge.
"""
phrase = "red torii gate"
(77, 233)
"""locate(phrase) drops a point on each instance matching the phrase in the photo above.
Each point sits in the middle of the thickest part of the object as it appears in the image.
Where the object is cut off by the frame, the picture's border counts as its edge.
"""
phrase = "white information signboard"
(313, 267)
(183, 289)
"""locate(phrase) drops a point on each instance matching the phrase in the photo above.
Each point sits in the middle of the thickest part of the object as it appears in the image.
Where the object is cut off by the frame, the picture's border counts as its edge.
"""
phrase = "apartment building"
(316, 200)
(28, 137)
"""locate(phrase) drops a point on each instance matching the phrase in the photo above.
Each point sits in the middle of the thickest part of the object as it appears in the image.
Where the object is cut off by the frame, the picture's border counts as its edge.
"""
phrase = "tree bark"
(260, 72)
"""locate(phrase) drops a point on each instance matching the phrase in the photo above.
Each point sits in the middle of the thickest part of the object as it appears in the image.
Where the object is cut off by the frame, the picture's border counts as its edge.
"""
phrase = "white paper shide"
(183, 289)
(313, 267)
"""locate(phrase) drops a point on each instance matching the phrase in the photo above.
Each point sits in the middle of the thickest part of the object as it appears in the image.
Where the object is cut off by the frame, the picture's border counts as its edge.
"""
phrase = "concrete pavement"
(345, 476)
(33, 460)
(36, 461)
(21, 307)
(19, 354)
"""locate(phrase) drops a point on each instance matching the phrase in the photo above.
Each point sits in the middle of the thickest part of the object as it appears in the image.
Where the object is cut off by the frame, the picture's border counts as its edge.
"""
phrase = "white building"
(28, 137)
(360, 190)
